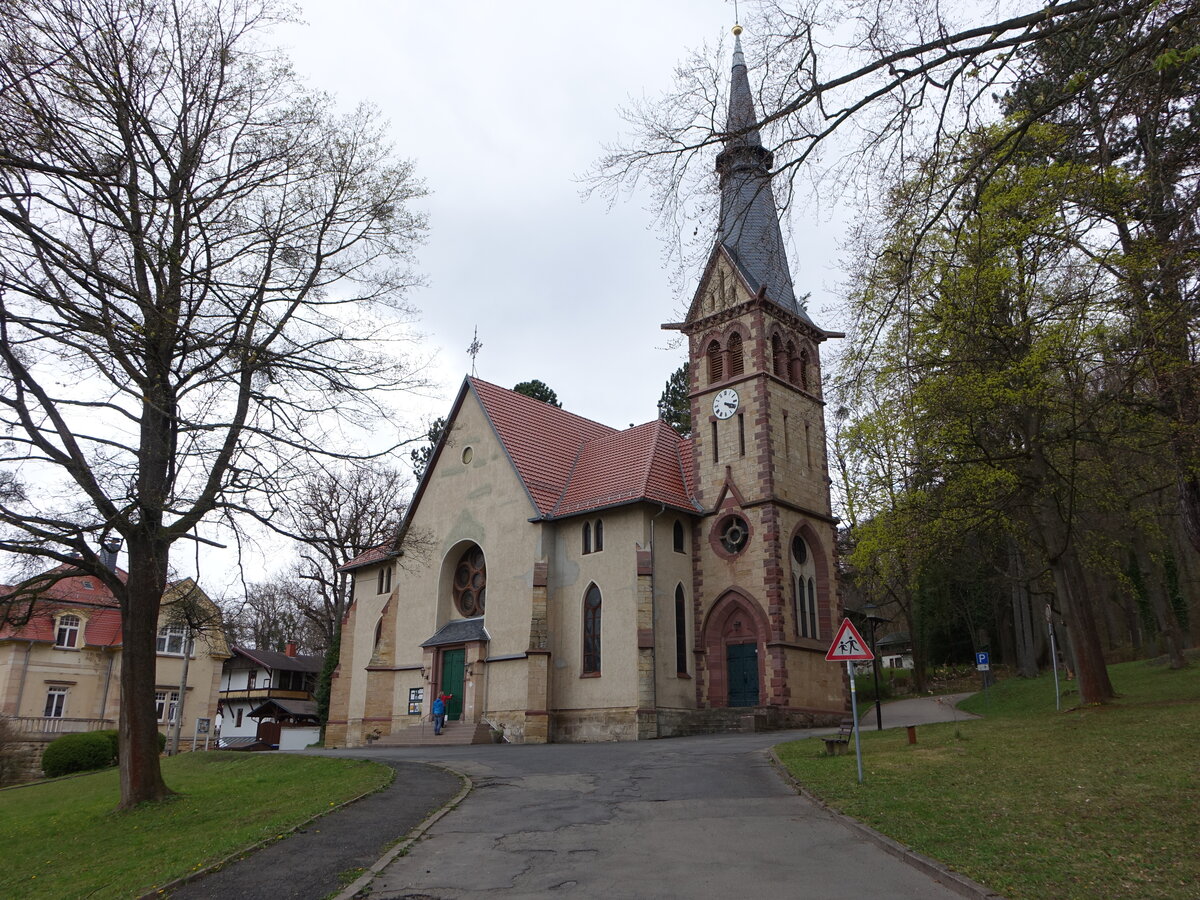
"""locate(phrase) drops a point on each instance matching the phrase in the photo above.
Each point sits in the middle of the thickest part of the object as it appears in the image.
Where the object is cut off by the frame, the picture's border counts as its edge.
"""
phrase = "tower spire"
(749, 222)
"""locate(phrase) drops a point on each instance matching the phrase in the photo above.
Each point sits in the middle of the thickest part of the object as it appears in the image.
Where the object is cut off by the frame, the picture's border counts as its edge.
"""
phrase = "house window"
(166, 705)
(56, 702)
(804, 590)
(677, 537)
(716, 367)
(599, 535)
(591, 631)
(470, 582)
(681, 665)
(385, 580)
(238, 723)
(67, 635)
(251, 679)
(170, 640)
(737, 362)
(587, 537)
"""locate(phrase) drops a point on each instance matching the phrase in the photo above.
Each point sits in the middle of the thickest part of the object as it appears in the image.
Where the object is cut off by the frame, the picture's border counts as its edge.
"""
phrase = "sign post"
(983, 663)
(849, 646)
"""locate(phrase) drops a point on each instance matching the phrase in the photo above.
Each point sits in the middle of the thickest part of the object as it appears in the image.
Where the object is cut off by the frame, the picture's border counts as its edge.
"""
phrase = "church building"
(567, 581)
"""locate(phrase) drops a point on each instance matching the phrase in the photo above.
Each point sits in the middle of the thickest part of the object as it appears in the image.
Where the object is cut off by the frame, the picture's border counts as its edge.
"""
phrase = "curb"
(960, 884)
(363, 882)
(159, 891)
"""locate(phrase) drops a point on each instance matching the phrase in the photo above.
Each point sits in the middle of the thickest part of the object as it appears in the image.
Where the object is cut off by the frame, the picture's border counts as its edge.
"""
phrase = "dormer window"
(171, 640)
(66, 635)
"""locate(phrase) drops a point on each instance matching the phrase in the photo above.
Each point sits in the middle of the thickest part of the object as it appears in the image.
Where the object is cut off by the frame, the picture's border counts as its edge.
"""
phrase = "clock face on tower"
(725, 404)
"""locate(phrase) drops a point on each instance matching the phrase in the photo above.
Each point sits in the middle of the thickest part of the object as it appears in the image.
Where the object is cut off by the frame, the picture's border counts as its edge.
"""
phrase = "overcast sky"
(503, 107)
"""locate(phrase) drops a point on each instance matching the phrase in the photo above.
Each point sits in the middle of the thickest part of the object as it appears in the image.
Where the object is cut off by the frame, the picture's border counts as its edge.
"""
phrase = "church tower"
(765, 591)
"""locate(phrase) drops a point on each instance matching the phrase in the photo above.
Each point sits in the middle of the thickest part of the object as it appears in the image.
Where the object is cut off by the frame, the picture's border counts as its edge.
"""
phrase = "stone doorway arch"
(734, 643)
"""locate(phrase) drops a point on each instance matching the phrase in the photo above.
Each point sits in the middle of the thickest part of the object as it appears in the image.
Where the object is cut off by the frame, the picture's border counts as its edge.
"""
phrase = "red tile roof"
(375, 554)
(570, 465)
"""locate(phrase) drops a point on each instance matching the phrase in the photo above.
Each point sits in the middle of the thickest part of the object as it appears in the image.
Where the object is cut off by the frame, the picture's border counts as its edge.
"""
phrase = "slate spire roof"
(749, 222)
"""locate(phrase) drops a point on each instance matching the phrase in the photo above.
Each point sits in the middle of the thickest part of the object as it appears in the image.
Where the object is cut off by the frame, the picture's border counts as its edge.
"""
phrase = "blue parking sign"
(983, 661)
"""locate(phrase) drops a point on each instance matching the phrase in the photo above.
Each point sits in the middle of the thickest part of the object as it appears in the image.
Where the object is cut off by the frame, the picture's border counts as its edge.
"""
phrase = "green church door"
(741, 664)
(453, 665)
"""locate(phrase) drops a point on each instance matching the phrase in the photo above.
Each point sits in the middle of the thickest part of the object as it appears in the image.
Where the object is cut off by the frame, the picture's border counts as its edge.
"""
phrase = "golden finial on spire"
(737, 30)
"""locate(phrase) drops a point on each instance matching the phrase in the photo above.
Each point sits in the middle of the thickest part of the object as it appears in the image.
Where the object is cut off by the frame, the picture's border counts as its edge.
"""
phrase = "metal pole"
(1053, 657)
(875, 671)
(854, 712)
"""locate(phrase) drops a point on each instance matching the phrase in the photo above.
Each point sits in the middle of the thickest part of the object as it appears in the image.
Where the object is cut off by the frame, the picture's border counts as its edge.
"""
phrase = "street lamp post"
(871, 613)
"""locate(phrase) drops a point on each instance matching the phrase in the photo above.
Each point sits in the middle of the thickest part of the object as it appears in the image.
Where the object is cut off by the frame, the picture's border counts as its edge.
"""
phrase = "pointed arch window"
(793, 365)
(677, 537)
(599, 535)
(804, 590)
(592, 605)
(587, 537)
(681, 666)
(778, 358)
(803, 379)
(737, 361)
(716, 365)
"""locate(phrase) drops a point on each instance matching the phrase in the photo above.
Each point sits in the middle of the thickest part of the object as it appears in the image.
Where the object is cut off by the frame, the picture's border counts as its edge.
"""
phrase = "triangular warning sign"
(849, 645)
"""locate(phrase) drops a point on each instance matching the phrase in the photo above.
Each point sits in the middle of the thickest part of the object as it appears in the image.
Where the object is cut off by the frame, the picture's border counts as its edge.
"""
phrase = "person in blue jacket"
(439, 714)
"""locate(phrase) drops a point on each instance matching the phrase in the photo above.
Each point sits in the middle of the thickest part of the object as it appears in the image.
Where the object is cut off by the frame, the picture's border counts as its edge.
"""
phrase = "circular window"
(470, 583)
(799, 550)
(734, 534)
(467, 454)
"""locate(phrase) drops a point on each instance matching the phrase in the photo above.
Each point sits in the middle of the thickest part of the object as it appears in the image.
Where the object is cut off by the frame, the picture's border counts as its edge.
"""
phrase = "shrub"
(77, 753)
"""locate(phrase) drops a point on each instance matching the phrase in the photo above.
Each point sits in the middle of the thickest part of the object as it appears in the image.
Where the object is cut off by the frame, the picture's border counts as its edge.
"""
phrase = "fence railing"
(53, 725)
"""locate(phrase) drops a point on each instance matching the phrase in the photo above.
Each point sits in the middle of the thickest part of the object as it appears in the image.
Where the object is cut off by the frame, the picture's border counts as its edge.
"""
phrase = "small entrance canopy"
(459, 631)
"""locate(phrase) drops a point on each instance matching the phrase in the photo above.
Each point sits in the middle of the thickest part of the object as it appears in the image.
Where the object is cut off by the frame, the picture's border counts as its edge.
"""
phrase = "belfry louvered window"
(716, 367)
(737, 362)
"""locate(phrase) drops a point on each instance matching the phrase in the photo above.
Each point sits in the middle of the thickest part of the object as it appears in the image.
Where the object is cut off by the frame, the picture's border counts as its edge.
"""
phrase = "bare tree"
(335, 515)
(201, 270)
(273, 613)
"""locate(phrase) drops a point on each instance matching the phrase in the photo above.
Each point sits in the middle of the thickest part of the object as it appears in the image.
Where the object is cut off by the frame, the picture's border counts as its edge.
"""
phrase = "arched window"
(778, 358)
(68, 631)
(599, 535)
(591, 631)
(804, 369)
(716, 367)
(677, 536)
(587, 537)
(793, 364)
(737, 362)
(378, 633)
(681, 666)
(470, 582)
(804, 589)
(385, 580)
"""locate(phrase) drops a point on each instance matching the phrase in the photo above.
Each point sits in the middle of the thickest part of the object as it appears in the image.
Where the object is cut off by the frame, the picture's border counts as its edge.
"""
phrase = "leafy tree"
(674, 407)
(538, 390)
(201, 261)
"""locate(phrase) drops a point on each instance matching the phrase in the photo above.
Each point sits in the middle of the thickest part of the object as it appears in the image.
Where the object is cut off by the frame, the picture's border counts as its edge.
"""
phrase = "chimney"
(109, 548)
(289, 648)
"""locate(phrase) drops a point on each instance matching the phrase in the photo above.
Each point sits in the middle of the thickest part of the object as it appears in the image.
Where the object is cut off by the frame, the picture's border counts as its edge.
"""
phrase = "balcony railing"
(52, 725)
(265, 694)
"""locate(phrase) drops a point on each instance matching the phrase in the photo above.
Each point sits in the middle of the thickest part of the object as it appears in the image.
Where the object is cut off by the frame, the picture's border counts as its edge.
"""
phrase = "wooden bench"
(836, 744)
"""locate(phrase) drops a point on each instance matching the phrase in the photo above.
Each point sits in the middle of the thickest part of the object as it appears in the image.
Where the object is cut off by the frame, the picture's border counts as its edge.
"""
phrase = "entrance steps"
(453, 734)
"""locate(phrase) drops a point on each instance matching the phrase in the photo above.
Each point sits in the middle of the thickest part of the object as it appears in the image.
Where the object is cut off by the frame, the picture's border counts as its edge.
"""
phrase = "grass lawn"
(1096, 802)
(63, 838)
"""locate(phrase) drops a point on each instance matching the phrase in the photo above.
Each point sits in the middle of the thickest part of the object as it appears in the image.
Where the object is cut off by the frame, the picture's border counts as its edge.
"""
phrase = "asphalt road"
(689, 817)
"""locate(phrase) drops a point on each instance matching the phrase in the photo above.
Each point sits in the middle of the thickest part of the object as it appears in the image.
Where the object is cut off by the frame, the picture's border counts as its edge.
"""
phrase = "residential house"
(268, 697)
(60, 670)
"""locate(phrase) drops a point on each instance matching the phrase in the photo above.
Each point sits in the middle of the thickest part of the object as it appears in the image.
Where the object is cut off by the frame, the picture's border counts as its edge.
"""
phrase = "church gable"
(722, 287)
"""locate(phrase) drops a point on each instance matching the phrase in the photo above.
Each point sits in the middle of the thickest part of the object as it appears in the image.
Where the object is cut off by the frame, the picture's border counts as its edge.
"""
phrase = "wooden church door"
(741, 666)
(453, 665)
